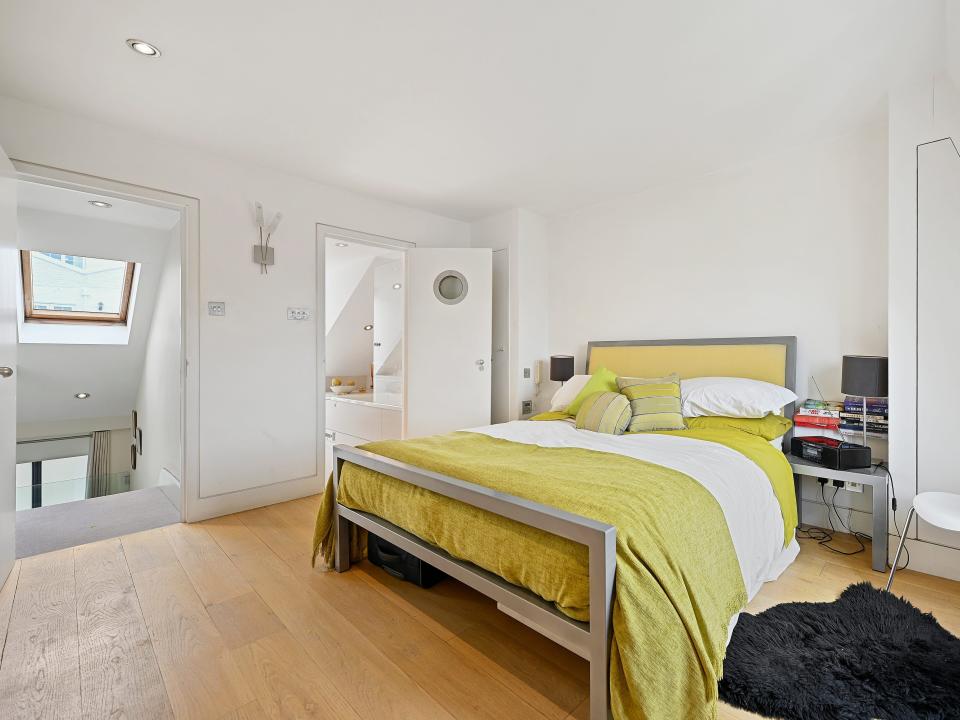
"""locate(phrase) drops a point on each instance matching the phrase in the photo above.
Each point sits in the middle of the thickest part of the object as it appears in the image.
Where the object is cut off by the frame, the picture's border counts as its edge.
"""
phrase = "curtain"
(98, 464)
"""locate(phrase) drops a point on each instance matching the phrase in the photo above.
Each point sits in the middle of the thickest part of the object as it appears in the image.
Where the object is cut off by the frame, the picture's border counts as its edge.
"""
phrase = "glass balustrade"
(77, 488)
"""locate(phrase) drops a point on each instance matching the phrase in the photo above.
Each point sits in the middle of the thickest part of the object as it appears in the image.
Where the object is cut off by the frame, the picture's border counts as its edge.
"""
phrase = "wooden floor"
(226, 619)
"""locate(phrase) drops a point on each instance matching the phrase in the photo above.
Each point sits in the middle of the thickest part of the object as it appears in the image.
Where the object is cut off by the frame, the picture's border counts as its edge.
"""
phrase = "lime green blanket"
(678, 581)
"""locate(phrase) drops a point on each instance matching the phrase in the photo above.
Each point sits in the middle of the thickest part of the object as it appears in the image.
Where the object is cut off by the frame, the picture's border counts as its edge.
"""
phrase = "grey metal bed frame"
(591, 640)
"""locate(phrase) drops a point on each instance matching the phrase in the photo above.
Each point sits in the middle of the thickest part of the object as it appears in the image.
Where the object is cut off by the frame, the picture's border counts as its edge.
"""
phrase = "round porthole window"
(450, 287)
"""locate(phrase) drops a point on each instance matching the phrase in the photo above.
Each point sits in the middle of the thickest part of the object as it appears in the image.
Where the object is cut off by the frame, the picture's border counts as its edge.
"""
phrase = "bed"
(637, 552)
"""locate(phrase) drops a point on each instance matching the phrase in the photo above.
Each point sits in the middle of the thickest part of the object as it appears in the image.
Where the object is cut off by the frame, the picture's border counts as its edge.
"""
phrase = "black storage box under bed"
(400, 563)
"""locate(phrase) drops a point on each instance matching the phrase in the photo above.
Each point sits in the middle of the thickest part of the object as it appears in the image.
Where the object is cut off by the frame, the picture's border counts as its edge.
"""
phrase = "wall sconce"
(262, 252)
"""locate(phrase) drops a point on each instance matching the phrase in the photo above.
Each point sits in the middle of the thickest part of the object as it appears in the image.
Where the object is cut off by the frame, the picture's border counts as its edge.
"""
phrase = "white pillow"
(568, 393)
(732, 397)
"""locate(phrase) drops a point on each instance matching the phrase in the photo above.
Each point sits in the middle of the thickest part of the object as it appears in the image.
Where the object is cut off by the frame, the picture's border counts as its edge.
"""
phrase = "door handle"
(5, 372)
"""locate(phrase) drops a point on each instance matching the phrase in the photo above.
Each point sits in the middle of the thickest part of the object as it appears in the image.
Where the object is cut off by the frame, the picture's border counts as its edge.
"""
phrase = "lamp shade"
(561, 367)
(864, 376)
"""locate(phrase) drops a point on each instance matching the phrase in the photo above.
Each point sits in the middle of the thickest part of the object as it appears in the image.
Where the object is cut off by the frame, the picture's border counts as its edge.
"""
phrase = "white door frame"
(189, 209)
(361, 238)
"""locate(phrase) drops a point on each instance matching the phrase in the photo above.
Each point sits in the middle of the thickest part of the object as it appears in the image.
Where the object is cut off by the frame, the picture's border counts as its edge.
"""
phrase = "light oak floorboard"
(6, 602)
(288, 683)
(40, 670)
(226, 620)
(208, 568)
(118, 670)
(250, 711)
(244, 619)
(371, 683)
(233, 536)
(199, 673)
(148, 550)
(476, 687)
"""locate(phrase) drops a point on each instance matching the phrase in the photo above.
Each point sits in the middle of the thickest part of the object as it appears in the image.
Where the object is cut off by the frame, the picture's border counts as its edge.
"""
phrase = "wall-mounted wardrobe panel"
(938, 325)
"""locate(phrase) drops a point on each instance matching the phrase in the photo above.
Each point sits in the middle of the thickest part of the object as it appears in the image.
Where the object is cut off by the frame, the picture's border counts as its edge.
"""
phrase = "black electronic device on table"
(831, 453)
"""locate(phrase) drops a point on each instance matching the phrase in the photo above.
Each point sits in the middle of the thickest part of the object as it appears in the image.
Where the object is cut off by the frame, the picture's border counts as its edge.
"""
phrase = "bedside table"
(872, 476)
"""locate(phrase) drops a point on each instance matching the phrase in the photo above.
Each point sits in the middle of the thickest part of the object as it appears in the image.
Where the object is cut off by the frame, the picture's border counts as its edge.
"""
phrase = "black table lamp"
(864, 376)
(561, 367)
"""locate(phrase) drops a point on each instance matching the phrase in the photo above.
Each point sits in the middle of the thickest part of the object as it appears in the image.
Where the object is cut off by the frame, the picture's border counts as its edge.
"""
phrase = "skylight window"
(74, 289)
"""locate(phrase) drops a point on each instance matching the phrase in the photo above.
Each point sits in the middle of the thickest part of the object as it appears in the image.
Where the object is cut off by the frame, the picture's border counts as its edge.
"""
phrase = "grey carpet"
(41, 530)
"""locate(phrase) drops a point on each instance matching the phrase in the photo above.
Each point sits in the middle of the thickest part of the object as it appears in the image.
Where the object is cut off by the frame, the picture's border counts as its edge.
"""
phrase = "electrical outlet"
(298, 313)
(853, 487)
(219, 309)
(526, 407)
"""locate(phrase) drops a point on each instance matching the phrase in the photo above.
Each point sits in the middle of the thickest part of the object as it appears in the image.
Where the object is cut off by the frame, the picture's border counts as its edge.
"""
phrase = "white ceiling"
(466, 107)
(73, 202)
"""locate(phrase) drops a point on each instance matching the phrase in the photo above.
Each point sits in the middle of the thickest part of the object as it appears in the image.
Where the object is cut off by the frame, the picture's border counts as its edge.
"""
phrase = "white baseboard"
(930, 559)
(206, 508)
(924, 557)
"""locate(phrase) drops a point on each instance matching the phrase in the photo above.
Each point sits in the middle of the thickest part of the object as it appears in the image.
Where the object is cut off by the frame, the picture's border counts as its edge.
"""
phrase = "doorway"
(100, 382)
(361, 316)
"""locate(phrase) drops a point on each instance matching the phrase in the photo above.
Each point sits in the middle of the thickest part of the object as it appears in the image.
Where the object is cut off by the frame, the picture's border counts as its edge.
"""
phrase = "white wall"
(50, 374)
(531, 287)
(792, 245)
(388, 313)
(952, 40)
(924, 111)
(158, 394)
(349, 348)
(732, 254)
(258, 371)
(523, 235)
(340, 283)
(499, 232)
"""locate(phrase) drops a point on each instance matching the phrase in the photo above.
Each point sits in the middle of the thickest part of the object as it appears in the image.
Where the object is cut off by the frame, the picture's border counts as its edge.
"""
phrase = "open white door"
(448, 327)
(8, 364)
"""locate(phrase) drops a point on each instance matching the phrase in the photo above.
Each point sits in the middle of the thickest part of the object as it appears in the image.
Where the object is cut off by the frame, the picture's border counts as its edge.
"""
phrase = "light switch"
(298, 313)
(217, 308)
(526, 373)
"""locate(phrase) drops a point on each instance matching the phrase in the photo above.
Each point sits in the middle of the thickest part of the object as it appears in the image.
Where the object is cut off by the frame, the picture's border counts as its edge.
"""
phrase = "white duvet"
(739, 485)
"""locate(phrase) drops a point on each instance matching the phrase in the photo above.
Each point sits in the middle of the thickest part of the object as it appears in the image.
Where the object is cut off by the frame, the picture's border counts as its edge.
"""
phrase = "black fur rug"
(868, 654)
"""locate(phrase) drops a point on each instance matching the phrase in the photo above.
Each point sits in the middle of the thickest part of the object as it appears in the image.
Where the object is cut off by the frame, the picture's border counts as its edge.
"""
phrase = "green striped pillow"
(605, 412)
(654, 402)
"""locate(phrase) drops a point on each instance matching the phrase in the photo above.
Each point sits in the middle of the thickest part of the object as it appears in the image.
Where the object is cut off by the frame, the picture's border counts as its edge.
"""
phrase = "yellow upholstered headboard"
(771, 359)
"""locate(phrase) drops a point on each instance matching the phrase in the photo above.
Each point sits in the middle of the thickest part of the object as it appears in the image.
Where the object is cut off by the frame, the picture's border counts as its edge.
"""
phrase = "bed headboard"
(771, 359)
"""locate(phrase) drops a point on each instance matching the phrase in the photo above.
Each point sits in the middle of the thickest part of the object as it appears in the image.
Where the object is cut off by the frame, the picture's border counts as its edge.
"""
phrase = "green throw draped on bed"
(678, 580)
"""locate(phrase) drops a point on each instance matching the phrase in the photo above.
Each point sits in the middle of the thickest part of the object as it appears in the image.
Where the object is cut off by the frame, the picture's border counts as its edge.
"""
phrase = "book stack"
(819, 414)
(878, 416)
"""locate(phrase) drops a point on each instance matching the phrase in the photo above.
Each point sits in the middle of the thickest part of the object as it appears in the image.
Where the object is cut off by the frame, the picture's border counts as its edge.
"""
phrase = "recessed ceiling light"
(143, 47)
(397, 286)
(82, 396)
(368, 327)
(341, 244)
(100, 203)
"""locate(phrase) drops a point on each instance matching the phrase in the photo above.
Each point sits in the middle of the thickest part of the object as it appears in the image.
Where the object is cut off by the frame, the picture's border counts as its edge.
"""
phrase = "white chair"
(937, 508)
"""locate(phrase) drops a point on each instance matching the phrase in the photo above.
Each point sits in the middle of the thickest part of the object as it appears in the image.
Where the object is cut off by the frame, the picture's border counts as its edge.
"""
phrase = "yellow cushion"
(601, 381)
(604, 412)
(769, 428)
(654, 403)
